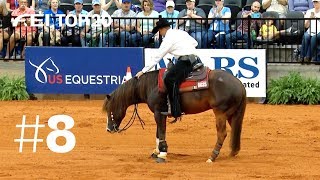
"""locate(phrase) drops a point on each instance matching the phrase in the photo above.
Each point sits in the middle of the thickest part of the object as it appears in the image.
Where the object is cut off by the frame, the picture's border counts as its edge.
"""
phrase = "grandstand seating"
(205, 5)
(243, 3)
(136, 2)
(295, 20)
(180, 5)
(66, 5)
(87, 5)
(235, 7)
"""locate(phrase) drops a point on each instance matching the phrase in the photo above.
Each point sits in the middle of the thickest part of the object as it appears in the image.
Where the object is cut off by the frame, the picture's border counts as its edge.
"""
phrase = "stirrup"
(169, 108)
(166, 113)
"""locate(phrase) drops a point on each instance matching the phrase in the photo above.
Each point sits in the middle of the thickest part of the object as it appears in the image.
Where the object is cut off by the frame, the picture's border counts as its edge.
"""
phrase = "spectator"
(51, 35)
(39, 6)
(243, 28)
(22, 30)
(5, 23)
(12, 4)
(311, 37)
(170, 12)
(124, 28)
(145, 26)
(193, 27)
(269, 31)
(160, 5)
(111, 6)
(218, 27)
(95, 33)
(300, 5)
(279, 6)
(72, 34)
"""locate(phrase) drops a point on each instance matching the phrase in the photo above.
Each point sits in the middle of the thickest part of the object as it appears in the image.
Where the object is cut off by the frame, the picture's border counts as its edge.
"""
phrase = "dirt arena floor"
(278, 142)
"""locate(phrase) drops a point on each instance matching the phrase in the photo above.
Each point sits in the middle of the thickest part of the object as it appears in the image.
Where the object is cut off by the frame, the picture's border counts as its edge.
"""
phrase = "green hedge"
(13, 89)
(294, 89)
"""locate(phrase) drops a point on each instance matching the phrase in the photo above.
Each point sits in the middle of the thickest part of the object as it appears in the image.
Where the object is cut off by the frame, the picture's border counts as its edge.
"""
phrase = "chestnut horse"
(226, 96)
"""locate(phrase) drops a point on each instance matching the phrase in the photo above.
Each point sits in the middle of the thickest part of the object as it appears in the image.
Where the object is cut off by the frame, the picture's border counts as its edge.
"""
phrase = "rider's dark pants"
(175, 76)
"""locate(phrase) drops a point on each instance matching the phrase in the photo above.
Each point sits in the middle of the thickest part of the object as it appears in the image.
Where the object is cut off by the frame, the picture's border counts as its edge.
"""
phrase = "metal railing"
(283, 45)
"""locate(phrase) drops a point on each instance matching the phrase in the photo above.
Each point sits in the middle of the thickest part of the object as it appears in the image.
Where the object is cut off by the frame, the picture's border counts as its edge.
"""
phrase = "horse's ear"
(108, 96)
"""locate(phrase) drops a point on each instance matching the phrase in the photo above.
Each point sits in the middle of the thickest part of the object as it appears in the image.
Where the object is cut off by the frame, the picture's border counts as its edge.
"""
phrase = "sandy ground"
(278, 142)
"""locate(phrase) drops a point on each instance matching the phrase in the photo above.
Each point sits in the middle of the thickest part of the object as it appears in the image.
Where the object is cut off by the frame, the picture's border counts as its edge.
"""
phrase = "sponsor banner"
(79, 70)
(248, 65)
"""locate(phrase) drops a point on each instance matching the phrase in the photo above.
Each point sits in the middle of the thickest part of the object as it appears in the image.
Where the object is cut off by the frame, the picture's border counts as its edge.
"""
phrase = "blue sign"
(80, 70)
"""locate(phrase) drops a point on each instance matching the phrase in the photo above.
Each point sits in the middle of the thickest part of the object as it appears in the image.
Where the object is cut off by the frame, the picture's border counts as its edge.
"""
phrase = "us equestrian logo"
(48, 72)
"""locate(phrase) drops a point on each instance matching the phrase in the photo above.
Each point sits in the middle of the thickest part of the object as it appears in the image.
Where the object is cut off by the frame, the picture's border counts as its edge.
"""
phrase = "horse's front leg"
(160, 153)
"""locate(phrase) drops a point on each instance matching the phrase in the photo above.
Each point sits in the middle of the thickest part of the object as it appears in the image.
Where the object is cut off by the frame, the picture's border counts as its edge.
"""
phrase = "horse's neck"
(146, 85)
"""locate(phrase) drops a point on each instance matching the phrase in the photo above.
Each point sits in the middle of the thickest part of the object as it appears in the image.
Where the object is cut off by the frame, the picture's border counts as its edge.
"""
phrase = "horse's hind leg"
(221, 135)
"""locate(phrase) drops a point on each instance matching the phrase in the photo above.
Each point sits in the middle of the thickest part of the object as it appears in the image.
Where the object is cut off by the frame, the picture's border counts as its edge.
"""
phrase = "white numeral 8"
(52, 137)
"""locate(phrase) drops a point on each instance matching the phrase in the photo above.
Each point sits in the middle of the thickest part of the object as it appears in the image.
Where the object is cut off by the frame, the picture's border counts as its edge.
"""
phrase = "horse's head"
(114, 114)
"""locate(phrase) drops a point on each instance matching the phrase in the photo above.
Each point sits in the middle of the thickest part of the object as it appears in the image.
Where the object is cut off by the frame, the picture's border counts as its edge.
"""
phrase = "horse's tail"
(236, 126)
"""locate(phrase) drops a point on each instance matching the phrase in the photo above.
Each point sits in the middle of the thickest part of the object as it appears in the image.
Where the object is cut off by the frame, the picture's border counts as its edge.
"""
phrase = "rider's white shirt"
(176, 42)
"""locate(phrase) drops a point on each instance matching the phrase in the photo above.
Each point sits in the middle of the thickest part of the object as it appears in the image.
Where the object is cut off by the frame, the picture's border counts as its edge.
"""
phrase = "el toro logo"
(37, 19)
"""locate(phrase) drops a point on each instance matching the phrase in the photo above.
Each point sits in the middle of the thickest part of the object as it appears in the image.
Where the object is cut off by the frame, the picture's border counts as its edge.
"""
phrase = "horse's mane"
(133, 91)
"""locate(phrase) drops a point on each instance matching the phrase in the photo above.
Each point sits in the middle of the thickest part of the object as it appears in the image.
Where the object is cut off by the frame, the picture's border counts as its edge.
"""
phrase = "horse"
(225, 95)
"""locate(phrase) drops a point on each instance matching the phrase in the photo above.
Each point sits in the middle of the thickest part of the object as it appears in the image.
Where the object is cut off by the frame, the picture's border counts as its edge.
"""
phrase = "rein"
(131, 121)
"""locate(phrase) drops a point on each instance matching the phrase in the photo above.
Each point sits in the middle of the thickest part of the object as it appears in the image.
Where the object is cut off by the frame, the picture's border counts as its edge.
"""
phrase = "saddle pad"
(188, 85)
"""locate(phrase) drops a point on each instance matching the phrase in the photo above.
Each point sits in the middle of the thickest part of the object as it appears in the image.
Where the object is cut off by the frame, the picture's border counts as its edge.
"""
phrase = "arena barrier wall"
(55, 70)
(248, 65)
(58, 70)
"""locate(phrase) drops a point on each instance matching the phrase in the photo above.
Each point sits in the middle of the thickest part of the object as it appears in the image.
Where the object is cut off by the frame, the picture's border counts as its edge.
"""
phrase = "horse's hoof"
(154, 156)
(160, 160)
(210, 160)
(233, 153)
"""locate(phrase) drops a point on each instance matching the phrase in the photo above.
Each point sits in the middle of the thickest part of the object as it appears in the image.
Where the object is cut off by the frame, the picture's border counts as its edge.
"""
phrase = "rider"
(183, 47)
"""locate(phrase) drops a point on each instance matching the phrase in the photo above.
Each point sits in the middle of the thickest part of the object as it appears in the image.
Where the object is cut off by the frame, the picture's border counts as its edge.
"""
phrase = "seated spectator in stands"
(269, 31)
(311, 37)
(145, 26)
(5, 23)
(39, 6)
(194, 27)
(134, 7)
(51, 35)
(12, 4)
(243, 28)
(218, 27)
(124, 29)
(72, 34)
(279, 6)
(160, 5)
(300, 5)
(111, 6)
(23, 30)
(170, 12)
(95, 34)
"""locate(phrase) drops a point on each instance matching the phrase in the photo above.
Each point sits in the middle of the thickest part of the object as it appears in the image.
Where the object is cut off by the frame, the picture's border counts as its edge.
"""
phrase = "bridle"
(131, 121)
